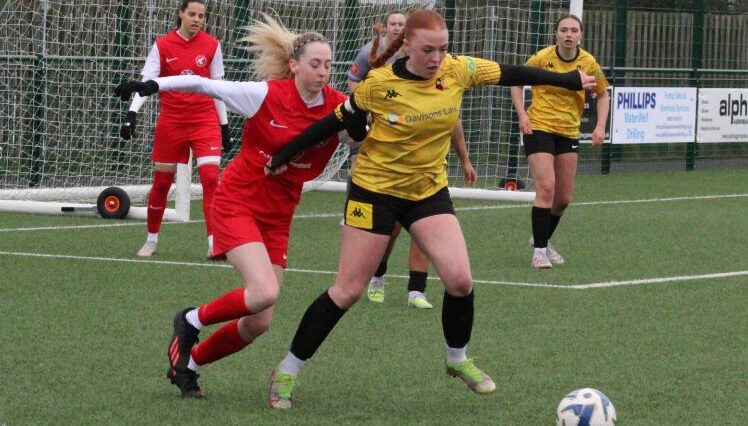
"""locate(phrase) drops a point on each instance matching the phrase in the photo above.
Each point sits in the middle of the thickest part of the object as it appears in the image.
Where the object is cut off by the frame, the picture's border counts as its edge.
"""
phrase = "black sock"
(318, 321)
(381, 270)
(417, 281)
(554, 223)
(540, 225)
(457, 319)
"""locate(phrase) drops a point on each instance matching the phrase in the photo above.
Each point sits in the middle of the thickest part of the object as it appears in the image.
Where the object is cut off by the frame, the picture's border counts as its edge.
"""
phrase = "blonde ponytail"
(273, 46)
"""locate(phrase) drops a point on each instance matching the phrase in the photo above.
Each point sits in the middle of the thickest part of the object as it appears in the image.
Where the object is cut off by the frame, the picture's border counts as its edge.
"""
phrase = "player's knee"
(346, 295)
(162, 182)
(261, 326)
(262, 296)
(208, 177)
(460, 285)
(253, 327)
(544, 190)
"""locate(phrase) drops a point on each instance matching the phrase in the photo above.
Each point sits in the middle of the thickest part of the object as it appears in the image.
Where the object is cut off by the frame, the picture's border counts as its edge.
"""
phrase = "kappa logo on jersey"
(359, 215)
(549, 65)
(201, 61)
(391, 94)
(274, 124)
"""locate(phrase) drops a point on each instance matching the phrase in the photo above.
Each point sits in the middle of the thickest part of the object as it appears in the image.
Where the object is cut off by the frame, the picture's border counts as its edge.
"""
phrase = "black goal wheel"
(511, 184)
(113, 203)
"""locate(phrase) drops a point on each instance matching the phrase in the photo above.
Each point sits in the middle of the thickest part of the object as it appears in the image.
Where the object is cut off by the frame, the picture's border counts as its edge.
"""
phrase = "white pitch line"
(477, 281)
(659, 280)
(339, 214)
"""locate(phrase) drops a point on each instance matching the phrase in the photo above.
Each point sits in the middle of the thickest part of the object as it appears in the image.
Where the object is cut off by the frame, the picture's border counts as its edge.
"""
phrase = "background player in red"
(252, 212)
(185, 120)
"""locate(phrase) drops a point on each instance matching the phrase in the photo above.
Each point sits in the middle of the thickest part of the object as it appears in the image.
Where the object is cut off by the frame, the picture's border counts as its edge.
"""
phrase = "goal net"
(60, 59)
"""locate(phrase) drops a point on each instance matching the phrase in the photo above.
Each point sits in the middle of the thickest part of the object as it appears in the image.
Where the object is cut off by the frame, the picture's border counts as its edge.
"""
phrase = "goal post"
(60, 59)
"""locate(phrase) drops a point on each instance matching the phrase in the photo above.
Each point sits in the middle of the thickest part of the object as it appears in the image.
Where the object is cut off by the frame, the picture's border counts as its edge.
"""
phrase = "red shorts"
(235, 224)
(172, 141)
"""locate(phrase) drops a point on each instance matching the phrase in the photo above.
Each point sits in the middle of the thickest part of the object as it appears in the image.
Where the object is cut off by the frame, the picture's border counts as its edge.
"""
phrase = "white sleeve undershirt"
(151, 70)
(241, 97)
(216, 73)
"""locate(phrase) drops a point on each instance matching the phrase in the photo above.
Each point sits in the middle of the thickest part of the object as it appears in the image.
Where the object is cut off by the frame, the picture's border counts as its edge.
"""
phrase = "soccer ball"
(585, 407)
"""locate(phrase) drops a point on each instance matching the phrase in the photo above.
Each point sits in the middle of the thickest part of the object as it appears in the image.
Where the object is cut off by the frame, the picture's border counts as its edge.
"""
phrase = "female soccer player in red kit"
(185, 120)
(252, 212)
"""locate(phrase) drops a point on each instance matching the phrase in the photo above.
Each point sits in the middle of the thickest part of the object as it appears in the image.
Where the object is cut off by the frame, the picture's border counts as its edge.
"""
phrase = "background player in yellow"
(551, 133)
(401, 176)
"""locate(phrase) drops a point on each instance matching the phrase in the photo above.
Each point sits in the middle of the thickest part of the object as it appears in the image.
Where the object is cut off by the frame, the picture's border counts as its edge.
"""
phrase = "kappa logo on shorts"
(359, 215)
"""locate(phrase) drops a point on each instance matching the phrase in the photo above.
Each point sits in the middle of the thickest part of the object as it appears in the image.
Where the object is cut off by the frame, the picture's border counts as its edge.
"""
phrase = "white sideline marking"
(604, 284)
(340, 214)
(660, 280)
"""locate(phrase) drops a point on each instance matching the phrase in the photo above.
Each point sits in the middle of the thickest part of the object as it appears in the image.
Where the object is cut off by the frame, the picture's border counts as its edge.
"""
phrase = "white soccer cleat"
(148, 249)
(375, 292)
(418, 300)
(540, 259)
(553, 255)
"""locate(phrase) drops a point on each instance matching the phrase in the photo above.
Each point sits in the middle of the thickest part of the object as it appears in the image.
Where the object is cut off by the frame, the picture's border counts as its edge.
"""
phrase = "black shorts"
(551, 143)
(377, 213)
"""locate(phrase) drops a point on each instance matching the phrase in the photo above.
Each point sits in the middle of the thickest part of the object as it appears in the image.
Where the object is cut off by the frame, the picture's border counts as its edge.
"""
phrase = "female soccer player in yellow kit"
(401, 176)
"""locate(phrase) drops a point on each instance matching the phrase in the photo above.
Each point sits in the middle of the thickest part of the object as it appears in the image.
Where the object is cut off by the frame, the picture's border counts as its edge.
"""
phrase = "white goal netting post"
(60, 59)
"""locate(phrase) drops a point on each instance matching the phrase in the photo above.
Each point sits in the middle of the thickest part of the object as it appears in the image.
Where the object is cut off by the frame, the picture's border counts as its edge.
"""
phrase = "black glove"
(226, 137)
(144, 88)
(127, 130)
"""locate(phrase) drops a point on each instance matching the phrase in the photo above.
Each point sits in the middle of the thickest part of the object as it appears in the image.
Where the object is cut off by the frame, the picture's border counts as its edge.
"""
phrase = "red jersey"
(187, 57)
(281, 117)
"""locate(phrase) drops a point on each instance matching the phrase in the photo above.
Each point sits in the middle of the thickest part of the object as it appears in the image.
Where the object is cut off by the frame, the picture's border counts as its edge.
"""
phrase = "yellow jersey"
(557, 110)
(405, 151)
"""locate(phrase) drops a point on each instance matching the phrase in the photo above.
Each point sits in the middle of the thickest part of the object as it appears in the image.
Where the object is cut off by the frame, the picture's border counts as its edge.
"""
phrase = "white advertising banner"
(723, 115)
(653, 114)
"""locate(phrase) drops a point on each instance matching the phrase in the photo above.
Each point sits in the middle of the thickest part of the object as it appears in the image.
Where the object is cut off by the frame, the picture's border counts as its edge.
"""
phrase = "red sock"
(157, 199)
(224, 342)
(209, 179)
(224, 308)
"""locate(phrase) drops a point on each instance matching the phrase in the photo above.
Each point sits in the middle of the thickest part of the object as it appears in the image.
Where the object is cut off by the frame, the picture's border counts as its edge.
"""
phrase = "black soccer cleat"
(186, 381)
(182, 341)
(180, 347)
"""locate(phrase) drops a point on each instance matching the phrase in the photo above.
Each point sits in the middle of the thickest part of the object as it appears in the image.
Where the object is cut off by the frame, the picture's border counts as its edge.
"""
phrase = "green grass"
(84, 336)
